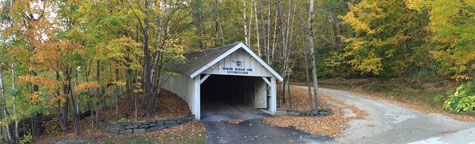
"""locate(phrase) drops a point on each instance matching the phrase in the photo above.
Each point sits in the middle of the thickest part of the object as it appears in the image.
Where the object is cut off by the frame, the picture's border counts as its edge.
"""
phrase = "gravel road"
(390, 123)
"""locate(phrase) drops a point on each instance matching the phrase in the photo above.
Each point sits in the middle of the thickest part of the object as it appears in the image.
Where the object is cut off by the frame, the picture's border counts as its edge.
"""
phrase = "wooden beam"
(267, 81)
(204, 78)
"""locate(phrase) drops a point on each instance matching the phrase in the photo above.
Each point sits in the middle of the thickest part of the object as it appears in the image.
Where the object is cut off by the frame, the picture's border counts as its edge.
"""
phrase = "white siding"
(185, 88)
(241, 62)
(238, 63)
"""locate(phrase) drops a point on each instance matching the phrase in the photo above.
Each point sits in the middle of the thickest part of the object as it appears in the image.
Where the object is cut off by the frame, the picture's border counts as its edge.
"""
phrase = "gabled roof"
(199, 61)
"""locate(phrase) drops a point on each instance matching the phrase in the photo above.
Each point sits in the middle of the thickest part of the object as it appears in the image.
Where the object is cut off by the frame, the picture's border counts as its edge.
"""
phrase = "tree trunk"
(263, 28)
(275, 31)
(64, 119)
(98, 93)
(17, 137)
(216, 24)
(117, 95)
(135, 98)
(73, 103)
(268, 32)
(147, 69)
(33, 125)
(288, 90)
(249, 34)
(304, 46)
(197, 22)
(244, 23)
(257, 30)
(312, 53)
(61, 115)
(5, 112)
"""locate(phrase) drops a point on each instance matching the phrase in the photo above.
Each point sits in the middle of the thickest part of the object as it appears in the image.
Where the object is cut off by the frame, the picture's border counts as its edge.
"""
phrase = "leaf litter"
(327, 126)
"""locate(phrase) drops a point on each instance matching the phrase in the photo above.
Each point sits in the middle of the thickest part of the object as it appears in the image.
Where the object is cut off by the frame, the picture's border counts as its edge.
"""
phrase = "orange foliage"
(52, 55)
(86, 85)
(38, 80)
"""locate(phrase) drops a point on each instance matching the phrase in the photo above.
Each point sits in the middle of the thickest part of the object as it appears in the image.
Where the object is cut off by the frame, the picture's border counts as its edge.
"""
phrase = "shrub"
(27, 138)
(463, 100)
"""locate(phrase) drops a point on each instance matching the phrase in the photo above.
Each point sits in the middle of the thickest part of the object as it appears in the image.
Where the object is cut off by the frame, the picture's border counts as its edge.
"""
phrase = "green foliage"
(463, 100)
(451, 44)
(126, 120)
(385, 32)
(27, 138)
(437, 99)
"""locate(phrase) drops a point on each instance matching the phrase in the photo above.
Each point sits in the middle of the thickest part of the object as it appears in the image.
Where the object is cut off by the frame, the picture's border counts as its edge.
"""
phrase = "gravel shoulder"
(390, 123)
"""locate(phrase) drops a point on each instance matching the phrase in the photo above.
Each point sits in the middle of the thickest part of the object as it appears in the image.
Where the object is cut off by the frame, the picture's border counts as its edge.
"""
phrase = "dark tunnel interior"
(227, 89)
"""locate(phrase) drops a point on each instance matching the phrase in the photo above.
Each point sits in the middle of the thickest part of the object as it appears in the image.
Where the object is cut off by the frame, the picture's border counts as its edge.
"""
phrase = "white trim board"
(230, 51)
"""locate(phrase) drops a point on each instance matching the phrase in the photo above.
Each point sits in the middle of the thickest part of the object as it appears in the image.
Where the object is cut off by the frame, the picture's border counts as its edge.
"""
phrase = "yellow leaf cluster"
(138, 88)
(460, 78)
(86, 85)
(51, 54)
(35, 97)
(38, 80)
(120, 83)
(61, 98)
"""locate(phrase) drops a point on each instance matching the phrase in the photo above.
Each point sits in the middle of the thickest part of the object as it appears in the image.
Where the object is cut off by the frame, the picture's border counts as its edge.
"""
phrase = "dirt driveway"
(215, 116)
(390, 123)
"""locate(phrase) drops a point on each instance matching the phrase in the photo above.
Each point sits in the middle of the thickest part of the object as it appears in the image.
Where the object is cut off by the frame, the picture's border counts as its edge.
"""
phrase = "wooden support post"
(196, 110)
(273, 100)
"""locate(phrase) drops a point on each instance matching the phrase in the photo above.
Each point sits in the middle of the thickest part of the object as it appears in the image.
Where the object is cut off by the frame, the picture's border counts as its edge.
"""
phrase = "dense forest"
(62, 58)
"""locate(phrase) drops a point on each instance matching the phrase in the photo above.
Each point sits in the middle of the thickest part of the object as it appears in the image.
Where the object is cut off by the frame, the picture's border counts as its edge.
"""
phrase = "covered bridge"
(232, 72)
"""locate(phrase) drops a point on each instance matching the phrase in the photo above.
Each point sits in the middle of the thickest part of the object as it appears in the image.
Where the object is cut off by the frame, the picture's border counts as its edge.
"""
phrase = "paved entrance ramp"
(252, 131)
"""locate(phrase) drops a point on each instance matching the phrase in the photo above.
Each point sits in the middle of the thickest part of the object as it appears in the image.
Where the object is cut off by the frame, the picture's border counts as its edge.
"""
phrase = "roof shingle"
(197, 59)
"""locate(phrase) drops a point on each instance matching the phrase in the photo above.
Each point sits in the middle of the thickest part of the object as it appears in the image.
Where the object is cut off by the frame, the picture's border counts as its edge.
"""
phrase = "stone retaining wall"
(144, 126)
(319, 113)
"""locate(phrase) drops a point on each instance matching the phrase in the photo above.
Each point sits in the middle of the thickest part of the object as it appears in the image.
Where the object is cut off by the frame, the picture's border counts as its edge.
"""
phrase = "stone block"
(112, 130)
(190, 118)
(123, 123)
(128, 131)
(144, 126)
(131, 126)
(181, 121)
(160, 122)
(118, 127)
(171, 118)
(155, 124)
(293, 114)
(139, 131)
(170, 123)
(151, 129)
(148, 121)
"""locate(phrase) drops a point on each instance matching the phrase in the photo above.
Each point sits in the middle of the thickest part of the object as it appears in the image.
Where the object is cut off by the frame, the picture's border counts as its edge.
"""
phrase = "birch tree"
(244, 23)
(312, 54)
(304, 47)
(257, 29)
